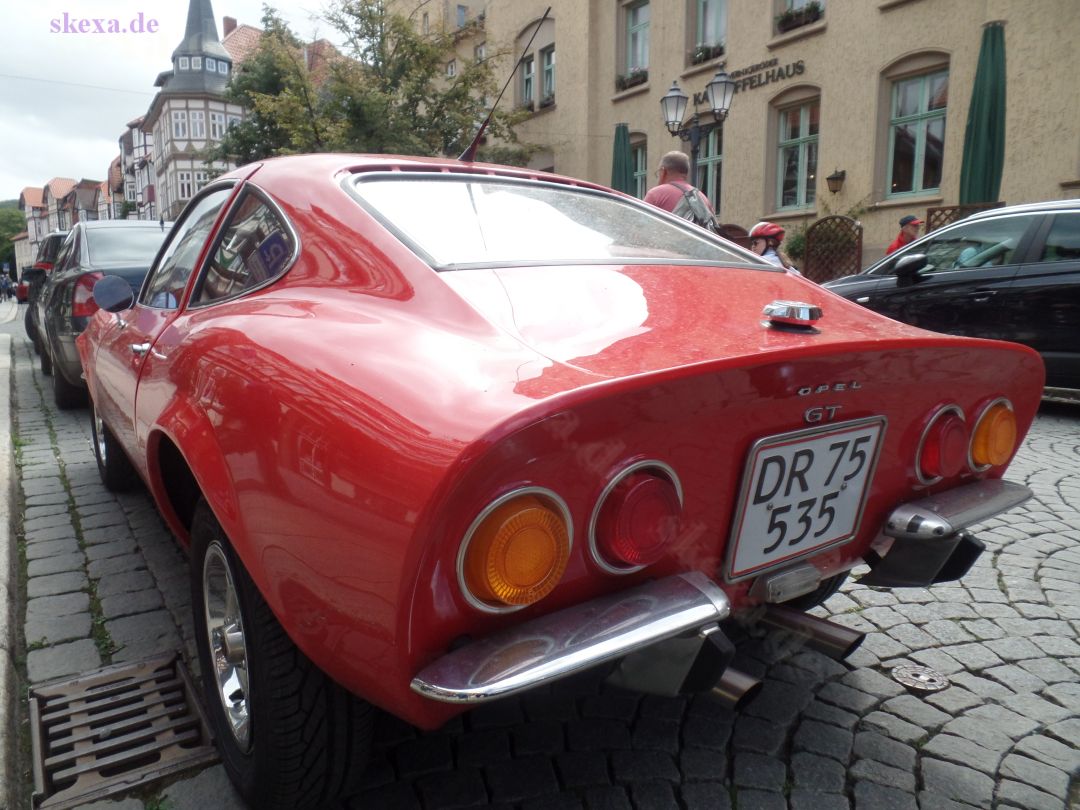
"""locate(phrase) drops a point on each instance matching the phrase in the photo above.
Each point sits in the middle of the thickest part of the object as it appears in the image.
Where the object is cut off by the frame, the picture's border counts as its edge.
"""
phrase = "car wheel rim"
(99, 438)
(227, 644)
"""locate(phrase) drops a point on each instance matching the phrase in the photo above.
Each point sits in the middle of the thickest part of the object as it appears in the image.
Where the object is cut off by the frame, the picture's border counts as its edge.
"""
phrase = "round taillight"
(994, 438)
(516, 552)
(944, 448)
(637, 520)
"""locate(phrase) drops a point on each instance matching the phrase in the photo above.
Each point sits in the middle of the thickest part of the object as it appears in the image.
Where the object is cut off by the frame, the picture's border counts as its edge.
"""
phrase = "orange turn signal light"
(518, 552)
(994, 438)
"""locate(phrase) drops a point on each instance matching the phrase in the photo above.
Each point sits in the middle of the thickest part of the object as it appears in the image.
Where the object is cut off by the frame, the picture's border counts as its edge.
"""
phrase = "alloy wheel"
(227, 644)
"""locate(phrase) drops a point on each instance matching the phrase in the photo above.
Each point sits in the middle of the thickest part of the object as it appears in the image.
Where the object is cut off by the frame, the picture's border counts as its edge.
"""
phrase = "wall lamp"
(835, 180)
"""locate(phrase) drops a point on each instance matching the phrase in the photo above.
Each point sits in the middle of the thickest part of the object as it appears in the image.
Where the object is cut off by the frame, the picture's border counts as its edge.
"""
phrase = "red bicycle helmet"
(765, 230)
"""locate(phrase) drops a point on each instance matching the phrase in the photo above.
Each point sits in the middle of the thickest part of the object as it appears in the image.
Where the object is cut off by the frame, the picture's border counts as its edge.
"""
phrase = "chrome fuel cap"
(791, 313)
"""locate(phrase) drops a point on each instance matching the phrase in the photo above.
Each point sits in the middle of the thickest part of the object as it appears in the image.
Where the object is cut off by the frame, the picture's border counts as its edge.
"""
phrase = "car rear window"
(50, 247)
(469, 221)
(124, 245)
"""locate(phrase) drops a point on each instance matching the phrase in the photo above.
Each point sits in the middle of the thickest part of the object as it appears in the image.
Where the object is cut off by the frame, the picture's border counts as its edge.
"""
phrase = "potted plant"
(703, 53)
(635, 77)
(547, 101)
(796, 17)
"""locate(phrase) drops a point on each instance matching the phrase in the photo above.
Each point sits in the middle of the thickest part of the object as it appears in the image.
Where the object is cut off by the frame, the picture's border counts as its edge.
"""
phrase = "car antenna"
(469, 155)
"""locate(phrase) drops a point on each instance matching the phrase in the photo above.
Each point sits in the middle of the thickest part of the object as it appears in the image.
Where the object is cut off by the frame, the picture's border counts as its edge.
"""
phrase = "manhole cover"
(113, 729)
(920, 679)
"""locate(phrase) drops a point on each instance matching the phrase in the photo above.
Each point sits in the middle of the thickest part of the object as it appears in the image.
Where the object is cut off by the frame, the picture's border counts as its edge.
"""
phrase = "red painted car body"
(348, 421)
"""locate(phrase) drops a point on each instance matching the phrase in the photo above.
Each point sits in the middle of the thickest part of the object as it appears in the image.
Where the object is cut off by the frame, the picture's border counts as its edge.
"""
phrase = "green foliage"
(12, 221)
(388, 94)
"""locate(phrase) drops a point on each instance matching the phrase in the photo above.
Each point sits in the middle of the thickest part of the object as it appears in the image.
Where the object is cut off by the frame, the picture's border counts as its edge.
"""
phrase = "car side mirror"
(113, 294)
(907, 269)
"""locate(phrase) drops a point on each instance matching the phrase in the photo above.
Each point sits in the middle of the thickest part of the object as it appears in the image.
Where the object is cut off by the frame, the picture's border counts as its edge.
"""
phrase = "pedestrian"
(674, 193)
(765, 239)
(5, 286)
(909, 232)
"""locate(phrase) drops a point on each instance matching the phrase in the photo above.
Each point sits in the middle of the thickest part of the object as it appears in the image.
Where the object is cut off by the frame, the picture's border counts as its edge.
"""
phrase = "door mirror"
(113, 294)
(907, 269)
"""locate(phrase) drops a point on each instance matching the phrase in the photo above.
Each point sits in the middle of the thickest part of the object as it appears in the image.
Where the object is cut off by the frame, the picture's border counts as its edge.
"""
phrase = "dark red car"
(438, 432)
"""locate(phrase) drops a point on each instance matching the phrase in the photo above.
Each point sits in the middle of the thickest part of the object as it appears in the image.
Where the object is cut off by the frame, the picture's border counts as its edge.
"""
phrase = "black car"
(34, 278)
(1008, 273)
(123, 248)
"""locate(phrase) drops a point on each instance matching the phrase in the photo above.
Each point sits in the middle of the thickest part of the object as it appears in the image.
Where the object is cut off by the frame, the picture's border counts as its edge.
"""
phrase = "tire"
(114, 467)
(291, 738)
(44, 358)
(65, 395)
(819, 595)
(31, 331)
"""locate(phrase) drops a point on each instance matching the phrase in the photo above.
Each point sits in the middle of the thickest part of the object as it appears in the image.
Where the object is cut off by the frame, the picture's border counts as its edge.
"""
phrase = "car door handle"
(983, 296)
(862, 299)
(140, 348)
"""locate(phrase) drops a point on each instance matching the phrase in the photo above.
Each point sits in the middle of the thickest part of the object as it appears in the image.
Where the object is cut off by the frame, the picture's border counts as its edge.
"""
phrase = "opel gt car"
(439, 432)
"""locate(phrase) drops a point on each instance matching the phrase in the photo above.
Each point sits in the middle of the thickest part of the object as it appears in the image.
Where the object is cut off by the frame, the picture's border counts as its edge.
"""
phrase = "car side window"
(1063, 241)
(65, 251)
(255, 247)
(165, 287)
(986, 243)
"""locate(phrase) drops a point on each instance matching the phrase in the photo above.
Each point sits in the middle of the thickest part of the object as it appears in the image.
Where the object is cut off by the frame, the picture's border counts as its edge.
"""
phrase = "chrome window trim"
(475, 601)
(594, 552)
(922, 479)
(975, 429)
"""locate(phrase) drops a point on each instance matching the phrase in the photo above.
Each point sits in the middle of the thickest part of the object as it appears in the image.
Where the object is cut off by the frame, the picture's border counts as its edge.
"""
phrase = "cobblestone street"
(104, 582)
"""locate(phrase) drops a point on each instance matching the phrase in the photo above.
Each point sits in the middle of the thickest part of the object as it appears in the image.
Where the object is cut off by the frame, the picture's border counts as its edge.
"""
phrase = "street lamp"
(718, 92)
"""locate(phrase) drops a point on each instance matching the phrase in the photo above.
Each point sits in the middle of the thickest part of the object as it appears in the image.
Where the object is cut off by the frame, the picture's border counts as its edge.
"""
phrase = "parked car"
(34, 277)
(22, 287)
(1008, 273)
(123, 248)
(438, 432)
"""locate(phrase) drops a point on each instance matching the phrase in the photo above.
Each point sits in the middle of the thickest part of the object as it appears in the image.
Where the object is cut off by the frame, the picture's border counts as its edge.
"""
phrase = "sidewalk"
(9, 584)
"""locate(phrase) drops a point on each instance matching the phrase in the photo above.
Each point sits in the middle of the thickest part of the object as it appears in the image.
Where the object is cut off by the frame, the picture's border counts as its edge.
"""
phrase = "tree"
(12, 221)
(388, 94)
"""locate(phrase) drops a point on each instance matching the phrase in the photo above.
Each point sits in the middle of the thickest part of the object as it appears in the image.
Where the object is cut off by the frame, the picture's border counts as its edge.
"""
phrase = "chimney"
(228, 25)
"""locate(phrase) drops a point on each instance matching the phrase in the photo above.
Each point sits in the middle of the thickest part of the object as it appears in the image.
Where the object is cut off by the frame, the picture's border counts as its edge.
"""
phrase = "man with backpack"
(674, 193)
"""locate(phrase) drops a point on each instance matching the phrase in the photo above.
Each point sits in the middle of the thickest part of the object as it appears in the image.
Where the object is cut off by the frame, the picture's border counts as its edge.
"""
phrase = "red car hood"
(613, 321)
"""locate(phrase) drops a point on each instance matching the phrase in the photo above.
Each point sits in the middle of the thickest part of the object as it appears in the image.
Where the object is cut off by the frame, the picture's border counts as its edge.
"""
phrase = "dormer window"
(196, 63)
(183, 63)
(211, 65)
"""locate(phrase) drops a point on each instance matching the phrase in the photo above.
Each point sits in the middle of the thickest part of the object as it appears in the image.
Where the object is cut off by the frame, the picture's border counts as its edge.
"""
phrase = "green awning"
(622, 161)
(984, 138)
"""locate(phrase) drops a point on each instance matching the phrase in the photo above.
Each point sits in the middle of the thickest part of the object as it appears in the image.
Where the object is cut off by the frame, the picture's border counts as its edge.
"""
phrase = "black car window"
(165, 287)
(255, 247)
(125, 245)
(1063, 241)
(984, 243)
(67, 248)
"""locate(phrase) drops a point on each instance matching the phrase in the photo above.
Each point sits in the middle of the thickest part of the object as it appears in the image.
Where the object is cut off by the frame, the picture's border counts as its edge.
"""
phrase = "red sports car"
(438, 432)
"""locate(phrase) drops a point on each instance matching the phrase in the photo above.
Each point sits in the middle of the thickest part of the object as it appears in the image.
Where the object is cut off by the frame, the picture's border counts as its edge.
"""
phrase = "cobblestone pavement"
(105, 582)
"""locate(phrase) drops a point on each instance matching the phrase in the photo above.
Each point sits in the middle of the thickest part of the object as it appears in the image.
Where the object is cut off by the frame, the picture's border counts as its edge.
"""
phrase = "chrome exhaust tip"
(829, 638)
(735, 689)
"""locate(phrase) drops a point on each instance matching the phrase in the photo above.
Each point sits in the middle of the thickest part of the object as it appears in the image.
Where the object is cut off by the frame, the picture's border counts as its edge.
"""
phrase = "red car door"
(125, 346)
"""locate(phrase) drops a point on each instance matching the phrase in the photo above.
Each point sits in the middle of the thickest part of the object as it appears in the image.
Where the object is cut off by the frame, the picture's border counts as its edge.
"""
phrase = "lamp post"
(719, 92)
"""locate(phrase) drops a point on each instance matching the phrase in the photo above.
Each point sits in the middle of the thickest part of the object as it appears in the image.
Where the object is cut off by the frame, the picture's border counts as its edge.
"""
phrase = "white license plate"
(802, 492)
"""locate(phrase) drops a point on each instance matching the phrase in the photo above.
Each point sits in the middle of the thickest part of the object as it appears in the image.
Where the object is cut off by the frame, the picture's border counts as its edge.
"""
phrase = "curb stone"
(8, 584)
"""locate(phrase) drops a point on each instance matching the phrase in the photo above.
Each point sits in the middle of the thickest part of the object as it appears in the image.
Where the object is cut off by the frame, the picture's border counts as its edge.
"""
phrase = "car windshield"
(468, 221)
(124, 245)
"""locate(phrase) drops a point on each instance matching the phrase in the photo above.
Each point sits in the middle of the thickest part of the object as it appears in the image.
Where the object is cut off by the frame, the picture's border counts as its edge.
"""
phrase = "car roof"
(1027, 208)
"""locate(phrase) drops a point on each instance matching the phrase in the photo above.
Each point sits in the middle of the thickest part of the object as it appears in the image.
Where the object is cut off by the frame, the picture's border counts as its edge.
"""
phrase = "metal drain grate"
(113, 729)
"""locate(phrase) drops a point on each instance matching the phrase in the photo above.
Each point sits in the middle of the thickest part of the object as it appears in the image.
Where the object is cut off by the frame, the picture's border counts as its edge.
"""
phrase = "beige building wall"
(847, 59)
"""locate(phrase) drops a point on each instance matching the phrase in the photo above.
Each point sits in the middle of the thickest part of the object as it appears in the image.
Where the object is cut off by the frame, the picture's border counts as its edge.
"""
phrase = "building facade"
(877, 89)
(187, 116)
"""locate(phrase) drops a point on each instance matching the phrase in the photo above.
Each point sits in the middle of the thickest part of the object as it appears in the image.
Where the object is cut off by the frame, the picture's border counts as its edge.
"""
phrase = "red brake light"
(636, 521)
(82, 297)
(944, 449)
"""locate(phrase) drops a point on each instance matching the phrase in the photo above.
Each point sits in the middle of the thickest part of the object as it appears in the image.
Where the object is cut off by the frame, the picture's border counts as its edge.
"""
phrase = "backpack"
(692, 208)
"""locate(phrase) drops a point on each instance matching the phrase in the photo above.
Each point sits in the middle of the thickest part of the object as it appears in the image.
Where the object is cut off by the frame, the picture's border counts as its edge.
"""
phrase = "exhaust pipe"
(834, 640)
(735, 689)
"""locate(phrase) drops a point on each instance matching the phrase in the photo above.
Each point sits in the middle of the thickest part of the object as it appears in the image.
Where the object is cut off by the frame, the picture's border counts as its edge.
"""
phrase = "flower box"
(796, 18)
(631, 79)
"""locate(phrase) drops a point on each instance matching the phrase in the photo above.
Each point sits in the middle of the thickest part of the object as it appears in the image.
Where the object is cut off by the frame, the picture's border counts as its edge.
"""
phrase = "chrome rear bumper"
(551, 647)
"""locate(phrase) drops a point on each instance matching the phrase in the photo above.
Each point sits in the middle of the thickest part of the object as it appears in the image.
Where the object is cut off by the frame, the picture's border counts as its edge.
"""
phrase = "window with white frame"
(184, 63)
(183, 185)
(223, 68)
(129, 191)
(637, 37)
(528, 80)
(198, 124)
(234, 120)
(196, 63)
(211, 65)
(480, 52)
(710, 167)
(917, 133)
(547, 72)
(451, 68)
(639, 158)
(179, 124)
(217, 126)
(201, 179)
(797, 148)
(711, 29)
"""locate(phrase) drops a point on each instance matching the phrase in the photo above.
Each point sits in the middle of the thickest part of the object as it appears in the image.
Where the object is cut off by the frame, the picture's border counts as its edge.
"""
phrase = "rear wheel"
(44, 359)
(289, 736)
(31, 332)
(66, 395)
(113, 465)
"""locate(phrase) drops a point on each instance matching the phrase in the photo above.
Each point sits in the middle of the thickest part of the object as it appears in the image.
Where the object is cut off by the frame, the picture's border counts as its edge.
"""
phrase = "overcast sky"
(65, 97)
